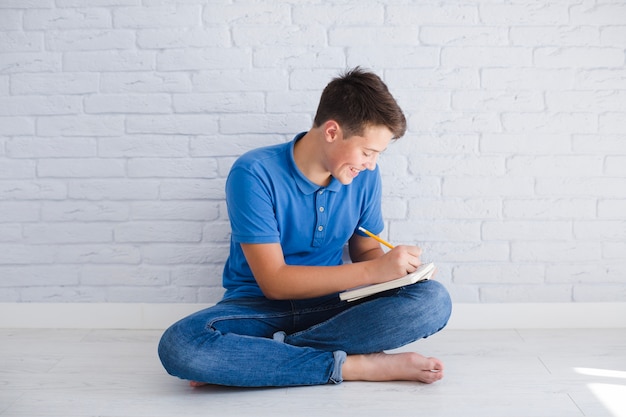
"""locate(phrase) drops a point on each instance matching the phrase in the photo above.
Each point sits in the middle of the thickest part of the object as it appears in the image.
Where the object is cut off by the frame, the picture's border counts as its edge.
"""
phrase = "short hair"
(357, 99)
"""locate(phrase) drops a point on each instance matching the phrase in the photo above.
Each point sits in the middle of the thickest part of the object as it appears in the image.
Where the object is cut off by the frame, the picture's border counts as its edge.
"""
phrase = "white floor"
(488, 373)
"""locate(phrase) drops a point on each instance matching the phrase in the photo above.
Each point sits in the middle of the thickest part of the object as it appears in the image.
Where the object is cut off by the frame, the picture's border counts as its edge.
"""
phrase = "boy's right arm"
(279, 281)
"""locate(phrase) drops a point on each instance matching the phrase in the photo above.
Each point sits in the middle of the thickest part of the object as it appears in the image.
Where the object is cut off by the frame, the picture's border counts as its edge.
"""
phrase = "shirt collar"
(305, 185)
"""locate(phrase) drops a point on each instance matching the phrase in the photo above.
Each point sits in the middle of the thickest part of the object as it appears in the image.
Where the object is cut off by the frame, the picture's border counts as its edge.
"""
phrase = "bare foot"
(406, 366)
(196, 384)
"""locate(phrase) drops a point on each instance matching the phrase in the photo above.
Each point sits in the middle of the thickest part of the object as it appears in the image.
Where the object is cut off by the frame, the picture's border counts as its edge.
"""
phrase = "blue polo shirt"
(270, 201)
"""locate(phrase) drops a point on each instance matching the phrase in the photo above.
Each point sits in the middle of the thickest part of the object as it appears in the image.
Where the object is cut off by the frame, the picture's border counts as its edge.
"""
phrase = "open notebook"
(425, 271)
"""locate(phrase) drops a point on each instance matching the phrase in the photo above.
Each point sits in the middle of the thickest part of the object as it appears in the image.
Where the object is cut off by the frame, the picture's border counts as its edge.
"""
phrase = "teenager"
(293, 208)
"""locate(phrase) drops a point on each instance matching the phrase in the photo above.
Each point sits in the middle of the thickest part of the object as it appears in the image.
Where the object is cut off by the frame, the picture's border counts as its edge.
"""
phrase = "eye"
(367, 155)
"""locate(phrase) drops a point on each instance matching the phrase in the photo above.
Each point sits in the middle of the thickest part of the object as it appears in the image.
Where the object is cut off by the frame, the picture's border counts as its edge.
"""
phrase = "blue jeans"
(254, 342)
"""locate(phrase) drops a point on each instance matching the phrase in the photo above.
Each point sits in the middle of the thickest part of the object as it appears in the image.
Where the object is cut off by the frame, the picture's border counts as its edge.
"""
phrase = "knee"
(441, 302)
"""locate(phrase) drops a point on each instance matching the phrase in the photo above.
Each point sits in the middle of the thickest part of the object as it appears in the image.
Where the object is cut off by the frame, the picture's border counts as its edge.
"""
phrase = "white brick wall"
(119, 120)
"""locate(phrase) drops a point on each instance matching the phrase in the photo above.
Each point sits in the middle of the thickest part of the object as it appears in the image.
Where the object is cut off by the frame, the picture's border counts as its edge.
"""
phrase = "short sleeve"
(251, 207)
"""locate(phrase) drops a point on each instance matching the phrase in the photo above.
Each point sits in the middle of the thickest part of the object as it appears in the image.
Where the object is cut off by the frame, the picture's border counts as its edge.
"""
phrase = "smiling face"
(347, 157)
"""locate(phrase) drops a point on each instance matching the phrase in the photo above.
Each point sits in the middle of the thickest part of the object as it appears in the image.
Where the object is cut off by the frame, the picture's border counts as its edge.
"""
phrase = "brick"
(145, 82)
(32, 190)
(456, 165)
(601, 14)
(67, 233)
(433, 231)
(455, 252)
(393, 57)
(121, 275)
(412, 187)
(455, 208)
(173, 146)
(565, 35)
(40, 105)
(526, 293)
(539, 144)
(581, 101)
(612, 123)
(11, 19)
(463, 35)
(599, 293)
(498, 100)
(529, 13)
(455, 122)
(582, 187)
(586, 273)
(601, 78)
(436, 78)
(24, 62)
(488, 186)
(550, 209)
(24, 254)
(193, 189)
(611, 209)
(19, 168)
(168, 254)
(38, 147)
(15, 41)
(161, 231)
(24, 276)
(578, 57)
(10, 232)
(172, 168)
(106, 61)
(128, 103)
(67, 18)
(493, 56)
(66, 83)
(601, 144)
(551, 123)
(275, 36)
(526, 230)
(216, 232)
(80, 126)
(95, 253)
(417, 14)
(113, 189)
(498, 274)
(556, 251)
(615, 166)
(600, 230)
(202, 59)
(359, 36)
(264, 123)
(613, 250)
(240, 80)
(169, 38)
(271, 14)
(555, 166)
(157, 16)
(294, 56)
(175, 210)
(172, 124)
(219, 103)
(527, 79)
(613, 36)
(18, 211)
(84, 211)
(81, 168)
(86, 40)
(227, 145)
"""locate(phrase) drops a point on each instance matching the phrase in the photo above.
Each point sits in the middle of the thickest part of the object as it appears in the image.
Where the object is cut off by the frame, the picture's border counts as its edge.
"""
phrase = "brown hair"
(357, 99)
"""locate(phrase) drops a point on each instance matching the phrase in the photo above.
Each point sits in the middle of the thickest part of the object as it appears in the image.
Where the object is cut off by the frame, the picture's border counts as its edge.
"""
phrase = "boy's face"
(347, 157)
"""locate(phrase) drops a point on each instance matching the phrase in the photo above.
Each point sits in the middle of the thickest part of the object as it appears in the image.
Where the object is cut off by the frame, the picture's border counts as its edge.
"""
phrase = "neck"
(308, 156)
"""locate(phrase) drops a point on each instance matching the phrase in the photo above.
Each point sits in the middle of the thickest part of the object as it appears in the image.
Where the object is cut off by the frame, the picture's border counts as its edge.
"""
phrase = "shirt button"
(320, 192)
(320, 228)
(322, 209)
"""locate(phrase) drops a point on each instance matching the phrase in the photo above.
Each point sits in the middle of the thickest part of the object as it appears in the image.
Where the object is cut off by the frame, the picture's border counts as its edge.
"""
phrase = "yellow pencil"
(372, 235)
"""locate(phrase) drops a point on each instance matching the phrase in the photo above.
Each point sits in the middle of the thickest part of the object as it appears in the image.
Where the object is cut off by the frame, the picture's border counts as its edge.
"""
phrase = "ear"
(332, 131)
